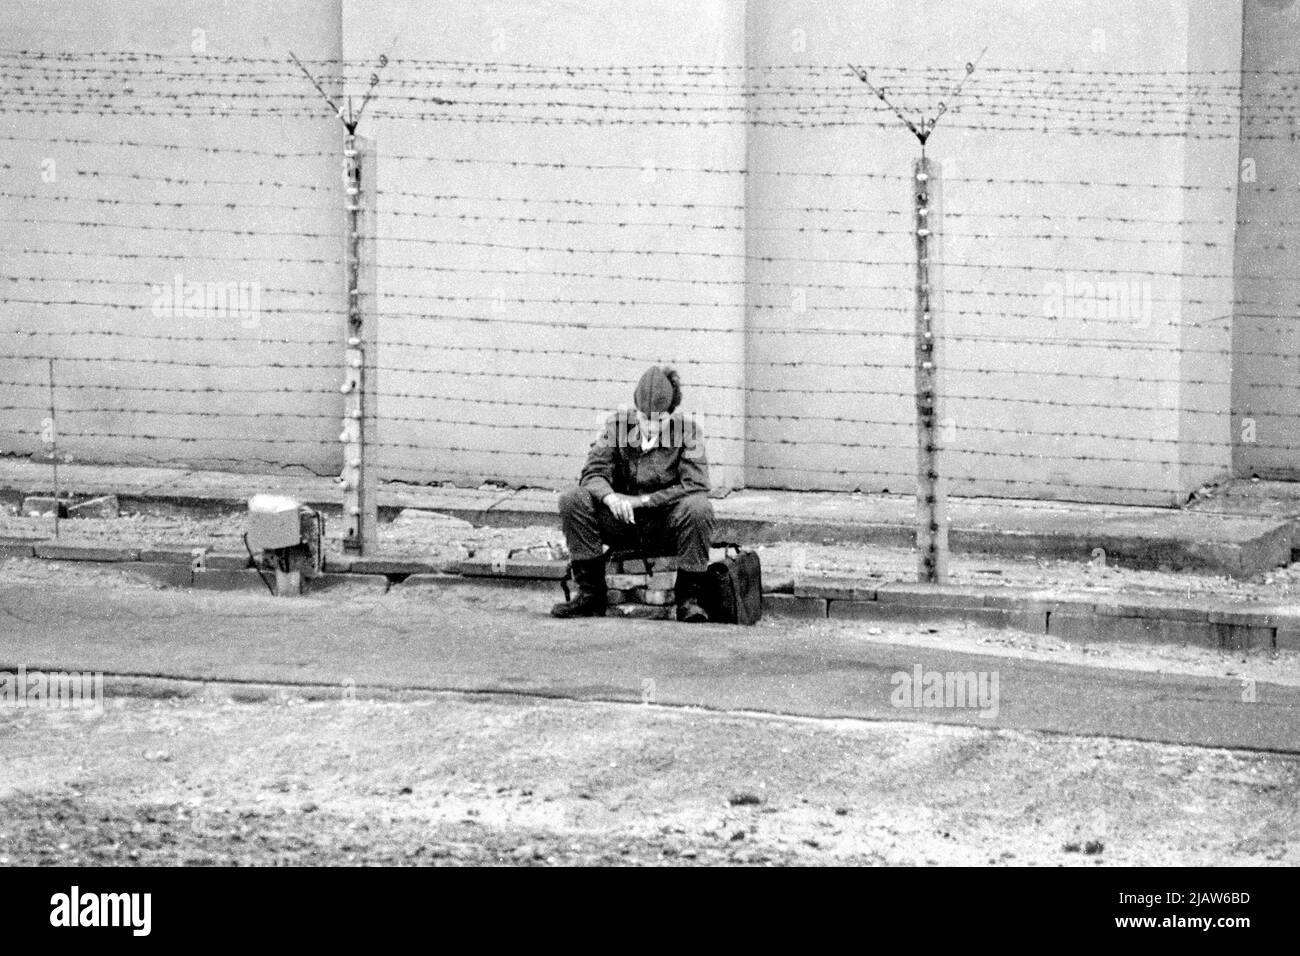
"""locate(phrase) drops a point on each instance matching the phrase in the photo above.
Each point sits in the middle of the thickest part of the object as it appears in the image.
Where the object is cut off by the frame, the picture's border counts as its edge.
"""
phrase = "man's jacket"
(676, 468)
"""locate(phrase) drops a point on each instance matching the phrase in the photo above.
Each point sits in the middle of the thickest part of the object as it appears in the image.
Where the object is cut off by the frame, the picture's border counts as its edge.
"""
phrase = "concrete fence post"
(360, 373)
(931, 492)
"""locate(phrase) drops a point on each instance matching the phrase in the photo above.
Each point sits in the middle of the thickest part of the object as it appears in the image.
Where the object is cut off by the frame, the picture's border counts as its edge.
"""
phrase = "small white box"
(273, 523)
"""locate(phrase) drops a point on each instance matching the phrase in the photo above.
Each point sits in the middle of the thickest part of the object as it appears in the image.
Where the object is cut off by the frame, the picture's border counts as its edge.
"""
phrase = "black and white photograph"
(716, 434)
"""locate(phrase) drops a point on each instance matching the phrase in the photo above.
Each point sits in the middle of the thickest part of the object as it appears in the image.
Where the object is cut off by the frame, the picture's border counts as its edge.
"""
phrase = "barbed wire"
(820, 396)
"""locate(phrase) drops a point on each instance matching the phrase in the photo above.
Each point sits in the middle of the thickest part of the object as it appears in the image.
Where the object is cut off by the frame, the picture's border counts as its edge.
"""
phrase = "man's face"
(647, 427)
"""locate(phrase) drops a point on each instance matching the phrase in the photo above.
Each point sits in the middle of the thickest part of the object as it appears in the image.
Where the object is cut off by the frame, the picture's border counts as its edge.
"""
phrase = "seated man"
(645, 487)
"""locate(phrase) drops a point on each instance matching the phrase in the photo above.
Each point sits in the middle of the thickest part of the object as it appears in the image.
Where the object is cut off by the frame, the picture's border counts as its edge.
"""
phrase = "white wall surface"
(529, 270)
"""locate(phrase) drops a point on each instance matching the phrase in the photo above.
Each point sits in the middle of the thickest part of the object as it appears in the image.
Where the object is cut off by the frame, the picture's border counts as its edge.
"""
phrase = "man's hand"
(622, 506)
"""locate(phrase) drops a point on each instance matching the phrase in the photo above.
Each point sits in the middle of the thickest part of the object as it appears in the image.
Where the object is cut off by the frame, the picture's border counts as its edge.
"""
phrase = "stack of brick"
(641, 589)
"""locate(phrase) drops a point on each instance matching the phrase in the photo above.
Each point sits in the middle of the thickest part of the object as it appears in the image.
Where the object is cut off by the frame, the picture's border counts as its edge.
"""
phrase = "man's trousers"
(683, 528)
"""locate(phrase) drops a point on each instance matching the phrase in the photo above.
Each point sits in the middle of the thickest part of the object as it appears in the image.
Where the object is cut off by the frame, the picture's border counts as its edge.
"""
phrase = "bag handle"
(727, 546)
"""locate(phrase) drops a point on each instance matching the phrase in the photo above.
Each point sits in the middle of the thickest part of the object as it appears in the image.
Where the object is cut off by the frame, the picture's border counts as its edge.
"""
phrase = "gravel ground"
(454, 780)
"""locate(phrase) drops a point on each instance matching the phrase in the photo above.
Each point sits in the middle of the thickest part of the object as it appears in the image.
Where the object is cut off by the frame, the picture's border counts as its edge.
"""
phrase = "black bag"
(734, 592)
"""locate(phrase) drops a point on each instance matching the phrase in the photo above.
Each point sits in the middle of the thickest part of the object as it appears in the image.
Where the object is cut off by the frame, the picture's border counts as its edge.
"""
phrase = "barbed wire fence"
(521, 290)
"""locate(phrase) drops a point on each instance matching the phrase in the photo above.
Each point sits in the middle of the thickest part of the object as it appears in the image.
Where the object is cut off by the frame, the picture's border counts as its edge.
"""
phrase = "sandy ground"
(452, 779)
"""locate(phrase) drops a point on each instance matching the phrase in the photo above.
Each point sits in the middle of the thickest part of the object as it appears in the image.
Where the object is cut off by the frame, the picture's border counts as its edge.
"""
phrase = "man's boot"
(590, 600)
(690, 585)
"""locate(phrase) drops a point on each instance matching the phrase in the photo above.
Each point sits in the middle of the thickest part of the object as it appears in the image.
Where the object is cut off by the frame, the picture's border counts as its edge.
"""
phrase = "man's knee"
(694, 511)
(575, 501)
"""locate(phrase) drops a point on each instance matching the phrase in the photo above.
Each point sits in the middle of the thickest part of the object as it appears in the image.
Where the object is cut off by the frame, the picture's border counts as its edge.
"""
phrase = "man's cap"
(659, 391)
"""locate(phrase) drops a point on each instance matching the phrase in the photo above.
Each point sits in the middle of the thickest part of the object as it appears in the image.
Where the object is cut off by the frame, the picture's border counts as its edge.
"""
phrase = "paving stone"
(437, 580)
(657, 596)
(173, 554)
(1257, 615)
(85, 552)
(362, 583)
(169, 573)
(1038, 600)
(643, 611)
(840, 589)
(432, 580)
(1287, 639)
(790, 605)
(225, 579)
(380, 565)
(625, 582)
(639, 566)
(929, 595)
(1034, 622)
(1152, 606)
(513, 568)
(1237, 637)
(1103, 627)
(18, 548)
(661, 581)
(226, 561)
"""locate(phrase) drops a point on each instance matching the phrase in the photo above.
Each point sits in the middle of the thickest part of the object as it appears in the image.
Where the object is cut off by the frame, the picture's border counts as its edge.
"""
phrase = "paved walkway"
(478, 639)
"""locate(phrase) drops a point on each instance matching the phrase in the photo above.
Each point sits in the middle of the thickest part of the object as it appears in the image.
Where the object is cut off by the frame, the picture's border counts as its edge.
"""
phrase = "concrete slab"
(228, 580)
(375, 584)
(174, 553)
(84, 552)
(168, 573)
(841, 589)
(642, 612)
(514, 568)
(18, 547)
(1283, 616)
(429, 581)
(1030, 621)
(1287, 639)
(929, 596)
(789, 605)
(1092, 628)
(424, 582)
(384, 566)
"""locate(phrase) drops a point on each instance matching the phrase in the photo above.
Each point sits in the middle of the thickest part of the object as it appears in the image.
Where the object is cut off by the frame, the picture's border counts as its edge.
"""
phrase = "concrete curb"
(1144, 537)
(1076, 618)
(1073, 617)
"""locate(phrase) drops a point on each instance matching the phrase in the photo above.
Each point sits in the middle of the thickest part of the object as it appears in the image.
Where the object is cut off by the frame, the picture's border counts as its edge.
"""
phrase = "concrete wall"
(529, 269)
(198, 386)
(1266, 376)
(502, 350)
(1206, 281)
(1042, 406)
